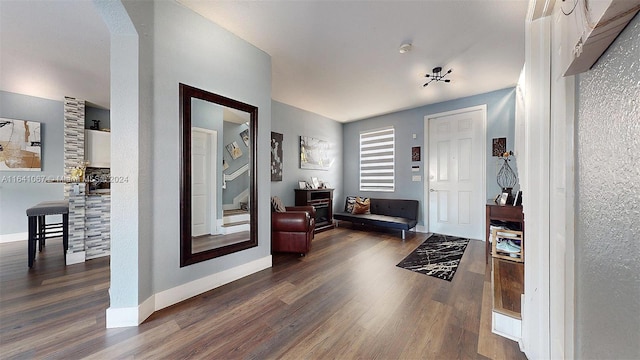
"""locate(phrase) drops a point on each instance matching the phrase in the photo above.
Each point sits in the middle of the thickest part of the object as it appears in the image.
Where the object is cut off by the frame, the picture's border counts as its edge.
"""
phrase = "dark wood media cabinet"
(322, 201)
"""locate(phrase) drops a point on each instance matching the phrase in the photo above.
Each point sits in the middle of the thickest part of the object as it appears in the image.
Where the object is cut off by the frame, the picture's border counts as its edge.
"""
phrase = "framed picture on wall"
(20, 145)
(415, 153)
(234, 150)
(498, 146)
(315, 154)
(245, 137)
(276, 156)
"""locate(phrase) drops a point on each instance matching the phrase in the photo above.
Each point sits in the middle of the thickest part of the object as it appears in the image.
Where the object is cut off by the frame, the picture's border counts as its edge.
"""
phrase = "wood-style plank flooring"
(346, 299)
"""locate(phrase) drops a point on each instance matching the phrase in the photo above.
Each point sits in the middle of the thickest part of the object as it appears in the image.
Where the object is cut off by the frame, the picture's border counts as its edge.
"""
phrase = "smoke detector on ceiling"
(405, 48)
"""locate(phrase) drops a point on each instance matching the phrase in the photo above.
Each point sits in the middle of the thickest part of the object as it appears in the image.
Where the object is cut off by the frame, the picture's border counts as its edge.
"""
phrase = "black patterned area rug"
(438, 256)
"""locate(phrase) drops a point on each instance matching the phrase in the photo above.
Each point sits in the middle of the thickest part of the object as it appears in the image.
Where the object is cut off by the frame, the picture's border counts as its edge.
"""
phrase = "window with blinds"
(377, 160)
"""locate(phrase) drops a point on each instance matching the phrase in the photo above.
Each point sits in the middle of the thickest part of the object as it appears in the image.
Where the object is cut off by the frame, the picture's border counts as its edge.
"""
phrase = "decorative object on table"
(302, 185)
(96, 125)
(315, 154)
(506, 178)
(502, 199)
(77, 173)
(276, 156)
(415, 153)
(498, 146)
(438, 256)
(245, 137)
(234, 150)
(517, 199)
(315, 184)
(20, 145)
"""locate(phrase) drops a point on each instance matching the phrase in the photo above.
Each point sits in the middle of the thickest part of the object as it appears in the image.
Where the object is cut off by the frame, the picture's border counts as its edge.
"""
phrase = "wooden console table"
(322, 201)
(507, 273)
(502, 213)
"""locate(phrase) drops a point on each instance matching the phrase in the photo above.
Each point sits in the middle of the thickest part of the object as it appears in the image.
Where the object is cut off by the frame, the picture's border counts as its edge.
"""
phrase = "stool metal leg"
(33, 228)
(42, 230)
(65, 233)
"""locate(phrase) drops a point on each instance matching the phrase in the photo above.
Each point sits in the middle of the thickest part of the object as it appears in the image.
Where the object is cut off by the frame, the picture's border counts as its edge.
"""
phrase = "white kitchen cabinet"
(97, 148)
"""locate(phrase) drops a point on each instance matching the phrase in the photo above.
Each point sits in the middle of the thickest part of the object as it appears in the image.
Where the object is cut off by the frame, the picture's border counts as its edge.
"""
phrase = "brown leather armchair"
(292, 230)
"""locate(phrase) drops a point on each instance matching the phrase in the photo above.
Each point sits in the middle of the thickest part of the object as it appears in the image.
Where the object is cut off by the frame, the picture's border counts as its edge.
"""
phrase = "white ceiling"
(53, 49)
(339, 59)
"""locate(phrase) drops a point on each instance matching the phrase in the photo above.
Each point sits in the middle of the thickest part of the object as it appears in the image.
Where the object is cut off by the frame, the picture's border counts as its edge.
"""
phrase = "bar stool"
(39, 230)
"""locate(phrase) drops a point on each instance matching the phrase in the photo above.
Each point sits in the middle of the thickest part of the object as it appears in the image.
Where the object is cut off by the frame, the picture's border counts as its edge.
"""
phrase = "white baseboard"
(134, 316)
(23, 236)
(76, 258)
(199, 286)
(131, 316)
(421, 228)
(506, 326)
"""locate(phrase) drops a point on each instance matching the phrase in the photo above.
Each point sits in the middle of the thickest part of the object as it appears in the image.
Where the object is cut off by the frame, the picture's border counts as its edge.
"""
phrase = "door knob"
(431, 190)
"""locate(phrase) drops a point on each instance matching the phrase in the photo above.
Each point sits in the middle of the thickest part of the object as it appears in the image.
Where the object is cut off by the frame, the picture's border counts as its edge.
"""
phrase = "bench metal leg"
(403, 234)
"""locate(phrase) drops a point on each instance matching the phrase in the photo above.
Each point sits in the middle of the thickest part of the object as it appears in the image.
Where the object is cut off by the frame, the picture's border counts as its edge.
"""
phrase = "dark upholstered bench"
(385, 213)
(39, 230)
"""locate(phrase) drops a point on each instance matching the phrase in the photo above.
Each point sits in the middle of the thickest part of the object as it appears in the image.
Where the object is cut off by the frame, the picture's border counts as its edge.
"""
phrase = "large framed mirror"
(218, 185)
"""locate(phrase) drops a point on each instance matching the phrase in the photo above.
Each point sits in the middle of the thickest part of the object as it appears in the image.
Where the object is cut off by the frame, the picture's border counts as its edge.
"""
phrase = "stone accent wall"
(76, 219)
(73, 135)
(98, 225)
(74, 156)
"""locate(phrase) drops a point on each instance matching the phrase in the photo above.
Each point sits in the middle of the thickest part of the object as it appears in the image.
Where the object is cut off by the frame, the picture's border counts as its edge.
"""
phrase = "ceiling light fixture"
(437, 76)
(405, 48)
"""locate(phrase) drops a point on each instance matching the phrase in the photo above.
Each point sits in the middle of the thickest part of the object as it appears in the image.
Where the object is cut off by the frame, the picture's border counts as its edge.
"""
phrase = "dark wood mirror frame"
(187, 257)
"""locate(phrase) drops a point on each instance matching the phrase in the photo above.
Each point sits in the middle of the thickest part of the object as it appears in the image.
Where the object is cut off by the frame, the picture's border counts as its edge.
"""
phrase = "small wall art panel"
(315, 154)
(20, 145)
(276, 156)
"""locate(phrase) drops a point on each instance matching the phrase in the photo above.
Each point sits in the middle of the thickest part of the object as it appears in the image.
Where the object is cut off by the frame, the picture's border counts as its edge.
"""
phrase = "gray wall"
(15, 198)
(608, 203)
(189, 49)
(500, 123)
(292, 122)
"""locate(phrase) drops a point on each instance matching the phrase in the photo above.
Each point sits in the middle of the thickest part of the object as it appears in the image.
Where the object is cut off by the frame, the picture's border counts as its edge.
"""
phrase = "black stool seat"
(49, 208)
(39, 230)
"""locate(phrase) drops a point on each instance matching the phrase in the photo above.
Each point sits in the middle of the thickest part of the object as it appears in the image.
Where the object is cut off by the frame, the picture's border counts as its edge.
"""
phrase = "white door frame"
(213, 178)
(425, 174)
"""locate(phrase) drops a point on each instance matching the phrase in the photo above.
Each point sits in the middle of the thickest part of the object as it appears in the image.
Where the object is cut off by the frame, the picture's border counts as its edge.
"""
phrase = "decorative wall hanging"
(234, 150)
(415, 153)
(20, 145)
(276, 156)
(245, 137)
(499, 146)
(315, 154)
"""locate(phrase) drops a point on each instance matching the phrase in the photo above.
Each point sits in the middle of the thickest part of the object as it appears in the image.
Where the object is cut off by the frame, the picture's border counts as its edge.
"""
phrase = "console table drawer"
(506, 213)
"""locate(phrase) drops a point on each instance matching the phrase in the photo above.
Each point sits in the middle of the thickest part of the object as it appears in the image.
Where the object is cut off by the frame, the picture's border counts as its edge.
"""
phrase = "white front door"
(456, 181)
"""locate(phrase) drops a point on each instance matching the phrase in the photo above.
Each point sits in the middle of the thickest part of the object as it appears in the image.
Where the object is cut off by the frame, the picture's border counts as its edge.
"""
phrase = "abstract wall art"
(315, 154)
(20, 145)
(276, 156)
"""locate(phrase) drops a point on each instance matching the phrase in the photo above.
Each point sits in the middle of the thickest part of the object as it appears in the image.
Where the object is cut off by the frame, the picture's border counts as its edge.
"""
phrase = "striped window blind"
(377, 160)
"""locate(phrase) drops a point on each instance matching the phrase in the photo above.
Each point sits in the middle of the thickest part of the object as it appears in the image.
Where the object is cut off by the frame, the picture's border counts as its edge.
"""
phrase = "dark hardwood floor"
(346, 299)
